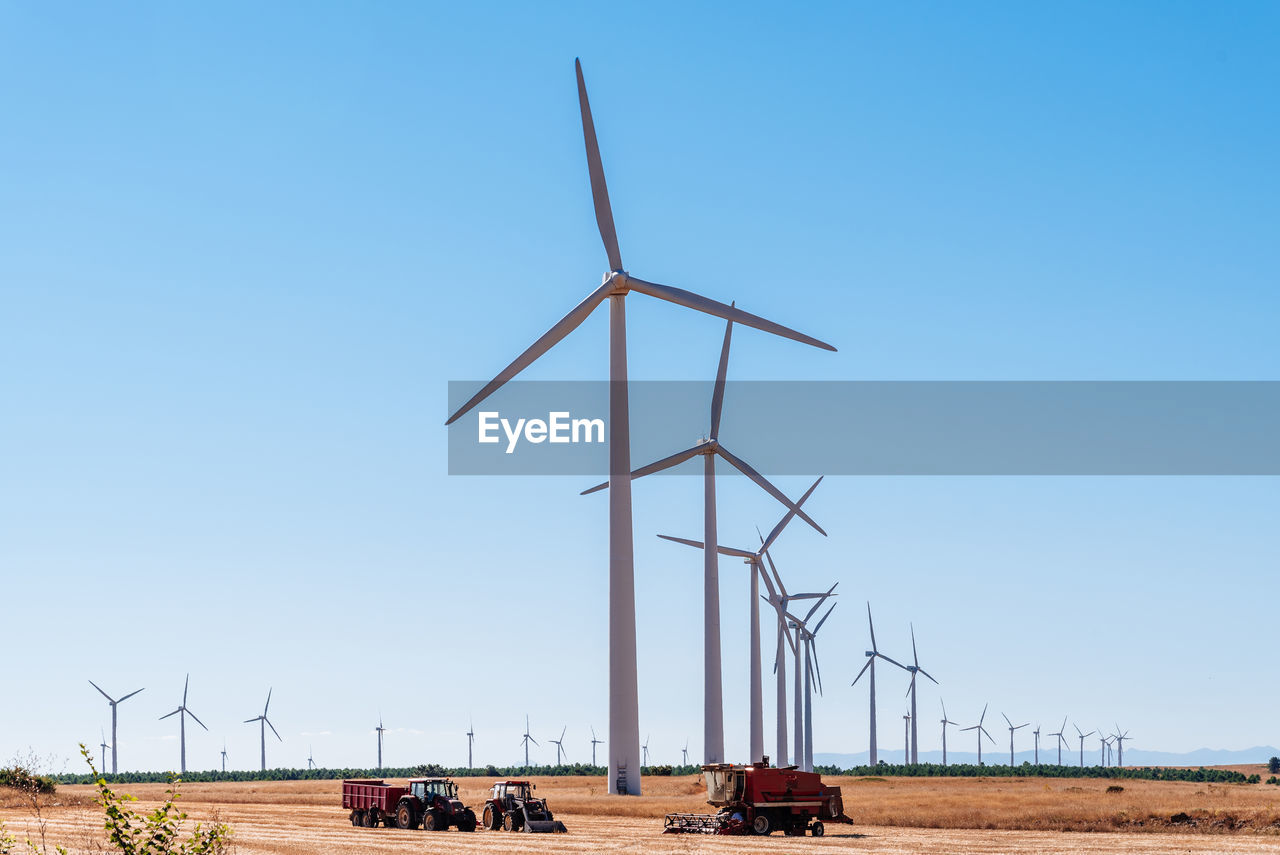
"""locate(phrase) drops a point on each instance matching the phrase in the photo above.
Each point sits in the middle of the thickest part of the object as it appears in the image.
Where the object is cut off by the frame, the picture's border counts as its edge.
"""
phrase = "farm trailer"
(429, 802)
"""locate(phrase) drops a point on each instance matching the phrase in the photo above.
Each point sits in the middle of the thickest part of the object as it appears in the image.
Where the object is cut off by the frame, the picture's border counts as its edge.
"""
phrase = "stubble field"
(939, 815)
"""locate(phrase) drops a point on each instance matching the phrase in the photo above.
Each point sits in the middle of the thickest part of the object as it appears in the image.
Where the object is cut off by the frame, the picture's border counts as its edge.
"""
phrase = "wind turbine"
(982, 731)
(311, 763)
(708, 449)
(224, 756)
(113, 702)
(182, 712)
(806, 637)
(1012, 728)
(624, 714)
(872, 655)
(264, 723)
(471, 736)
(1104, 742)
(1036, 733)
(380, 730)
(911, 690)
(645, 748)
(559, 744)
(104, 748)
(1119, 736)
(526, 739)
(945, 722)
(1082, 738)
(594, 743)
(906, 738)
(780, 599)
(684, 754)
(754, 560)
(1061, 738)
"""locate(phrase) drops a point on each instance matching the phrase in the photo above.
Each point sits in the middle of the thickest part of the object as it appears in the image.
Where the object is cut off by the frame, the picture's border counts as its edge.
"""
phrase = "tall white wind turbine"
(224, 755)
(915, 669)
(182, 712)
(113, 702)
(1012, 728)
(684, 754)
(624, 715)
(380, 730)
(945, 722)
(471, 737)
(1036, 734)
(104, 748)
(982, 731)
(1082, 736)
(872, 655)
(645, 748)
(709, 449)
(1120, 737)
(311, 762)
(779, 598)
(808, 641)
(906, 738)
(559, 744)
(594, 743)
(264, 723)
(526, 739)
(1104, 743)
(755, 561)
(1061, 734)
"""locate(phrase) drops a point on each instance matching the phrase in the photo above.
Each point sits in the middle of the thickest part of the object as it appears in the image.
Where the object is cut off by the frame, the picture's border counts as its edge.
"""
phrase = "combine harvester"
(760, 799)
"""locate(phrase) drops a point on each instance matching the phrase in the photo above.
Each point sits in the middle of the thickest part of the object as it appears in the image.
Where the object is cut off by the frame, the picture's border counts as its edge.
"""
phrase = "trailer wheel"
(405, 817)
(492, 819)
(761, 824)
(817, 829)
(366, 818)
(357, 818)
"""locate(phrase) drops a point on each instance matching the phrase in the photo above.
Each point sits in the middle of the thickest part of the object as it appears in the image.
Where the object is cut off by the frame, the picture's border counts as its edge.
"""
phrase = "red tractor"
(760, 799)
(429, 802)
(512, 806)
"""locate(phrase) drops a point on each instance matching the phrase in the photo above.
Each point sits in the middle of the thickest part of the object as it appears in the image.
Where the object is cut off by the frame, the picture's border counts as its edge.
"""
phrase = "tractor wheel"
(509, 822)
(434, 821)
(492, 818)
(817, 829)
(405, 817)
(467, 821)
(761, 824)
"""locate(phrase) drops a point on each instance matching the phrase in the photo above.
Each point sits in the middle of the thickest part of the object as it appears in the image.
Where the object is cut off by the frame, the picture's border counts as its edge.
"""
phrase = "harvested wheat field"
(940, 815)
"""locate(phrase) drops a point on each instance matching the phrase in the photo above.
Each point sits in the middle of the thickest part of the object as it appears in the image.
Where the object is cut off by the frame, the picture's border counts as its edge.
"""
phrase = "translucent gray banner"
(882, 428)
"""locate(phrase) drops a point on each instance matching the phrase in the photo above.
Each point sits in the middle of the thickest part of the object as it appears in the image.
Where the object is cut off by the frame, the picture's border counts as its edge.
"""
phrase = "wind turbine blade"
(166, 715)
(267, 706)
(983, 717)
(534, 741)
(892, 661)
(690, 300)
(246, 721)
(198, 721)
(930, 676)
(128, 696)
(717, 397)
(915, 659)
(871, 626)
(563, 731)
(1006, 718)
(819, 603)
(863, 671)
(696, 544)
(599, 192)
(185, 683)
(817, 669)
(773, 568)
(563, 327)
(782, 523)
(746, 469)
(944, 708)
(824, 619)
(104, 694)
(273, 728)
(768, 583)
(657, 466)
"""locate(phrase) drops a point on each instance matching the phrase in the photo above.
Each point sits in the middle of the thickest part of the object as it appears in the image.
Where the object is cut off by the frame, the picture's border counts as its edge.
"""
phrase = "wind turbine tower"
(1036, 733)
(263, 724)
(113, 702)
(906, 738)
(380, 730)
(1061, 738)
(224, 756)
(982, 731)
(945, 722)
(1012, 728)
(559, 744)
(872, 655)
(526, 739)
(1120, 737)
(182, 712)
(779, 598)
(806, 637)
(645, 749)
(311, 763)
(594, 743)
(624, 711)
(1083, 736)
(104, 748)
(471, 736)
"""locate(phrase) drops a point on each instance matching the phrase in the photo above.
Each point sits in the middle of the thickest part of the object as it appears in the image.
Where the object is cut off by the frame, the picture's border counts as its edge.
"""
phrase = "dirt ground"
(892, 815)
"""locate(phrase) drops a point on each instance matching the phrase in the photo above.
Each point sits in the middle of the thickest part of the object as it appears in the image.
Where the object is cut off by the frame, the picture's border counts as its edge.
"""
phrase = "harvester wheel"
(817, 829)
(492, 819)
(761, 824)
(404, 817)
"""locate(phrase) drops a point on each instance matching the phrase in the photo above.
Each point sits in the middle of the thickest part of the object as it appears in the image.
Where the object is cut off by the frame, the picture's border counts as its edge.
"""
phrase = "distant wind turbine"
(594, 743)
(526, 739)
(1061, 734)
(559, 744)
(1083, 736)
(1036, 733)
(645, 749)
(113, 702)
(182, 712)
(311, 763)
(807, 638)
(911, 690)
(1012, 728)
(380, 730)
(624, 709)
(945, 722)
(684, 754)
(779, 598)
(1104, 743)
(982, 731)
(906, 738)
(224, 756)
(1120, 736)
(872, 655)
(263, 724)
(104, 748)
(471, 736)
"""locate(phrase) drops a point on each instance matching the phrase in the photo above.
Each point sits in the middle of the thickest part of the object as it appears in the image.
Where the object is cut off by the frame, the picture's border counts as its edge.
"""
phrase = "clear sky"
(243, 249)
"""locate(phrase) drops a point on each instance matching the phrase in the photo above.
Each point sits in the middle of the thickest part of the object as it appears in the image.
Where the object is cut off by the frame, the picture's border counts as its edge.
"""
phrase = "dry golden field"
(939, 815)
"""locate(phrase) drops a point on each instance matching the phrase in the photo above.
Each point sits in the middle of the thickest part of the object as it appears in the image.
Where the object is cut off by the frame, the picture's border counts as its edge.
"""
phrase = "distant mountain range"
(1092, 756)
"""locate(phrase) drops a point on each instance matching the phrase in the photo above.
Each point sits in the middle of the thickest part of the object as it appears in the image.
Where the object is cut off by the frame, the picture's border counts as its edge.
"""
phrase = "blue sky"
(244, 249)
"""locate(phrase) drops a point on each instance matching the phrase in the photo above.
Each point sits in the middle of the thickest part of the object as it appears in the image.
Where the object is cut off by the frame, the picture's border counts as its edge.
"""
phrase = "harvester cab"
(512, 806)
(760, 799)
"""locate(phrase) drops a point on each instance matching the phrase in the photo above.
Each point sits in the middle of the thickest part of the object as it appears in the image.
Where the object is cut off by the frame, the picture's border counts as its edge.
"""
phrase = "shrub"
(1254, 779)
(1115, 788)
(1273, 765)
(20, 777)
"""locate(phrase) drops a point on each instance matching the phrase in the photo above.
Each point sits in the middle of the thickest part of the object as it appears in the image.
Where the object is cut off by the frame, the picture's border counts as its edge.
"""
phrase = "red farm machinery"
(428, 802)
(762, 799)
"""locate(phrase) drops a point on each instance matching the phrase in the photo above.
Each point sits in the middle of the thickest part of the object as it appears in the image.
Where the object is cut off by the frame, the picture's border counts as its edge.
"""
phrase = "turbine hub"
(618, 280)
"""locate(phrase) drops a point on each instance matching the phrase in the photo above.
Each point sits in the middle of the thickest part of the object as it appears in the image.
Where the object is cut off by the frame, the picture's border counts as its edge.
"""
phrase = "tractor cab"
(508, 792)
(427, 789)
